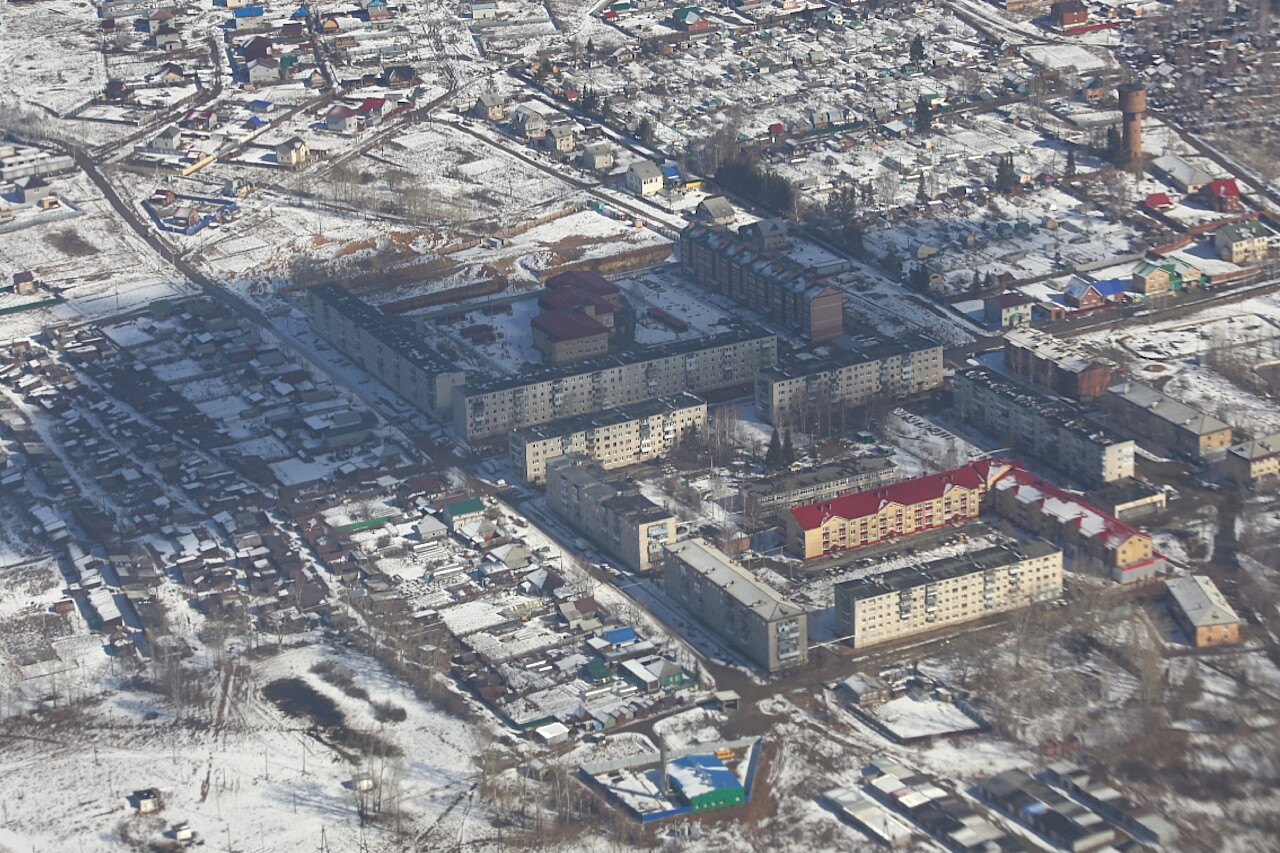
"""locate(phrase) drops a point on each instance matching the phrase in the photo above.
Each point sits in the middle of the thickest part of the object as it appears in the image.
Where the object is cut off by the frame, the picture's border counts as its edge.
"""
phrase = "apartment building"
(814, 394)
(613, 516)
(764, 280)
(751, 617)
(1055, 364)
(908, 601)
(1250, 460)
(774, 495)
(1050, 429)
(1201, 610)
(911, 506)
(1080, 529)
(624, 436)
(1156, 416)
(389, 348)
(485, 410)
(1245, 242)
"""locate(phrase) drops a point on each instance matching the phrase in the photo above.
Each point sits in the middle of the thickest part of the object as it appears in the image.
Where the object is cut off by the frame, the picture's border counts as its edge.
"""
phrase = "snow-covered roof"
(1201, 601)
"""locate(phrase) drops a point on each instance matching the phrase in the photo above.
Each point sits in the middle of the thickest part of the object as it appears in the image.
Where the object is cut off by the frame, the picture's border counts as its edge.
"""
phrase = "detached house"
(342, 119)
(1223, 195)
(247, 17)
(529, 123)
(490, 106)
(1244, 242)
(264, 71)
(168, 39)
(597, 156)
(644, 178)
(292, 153)
(560, 138)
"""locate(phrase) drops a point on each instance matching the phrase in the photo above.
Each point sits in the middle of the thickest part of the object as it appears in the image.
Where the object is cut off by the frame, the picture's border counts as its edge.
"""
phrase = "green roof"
(598, 670)
(471, 506)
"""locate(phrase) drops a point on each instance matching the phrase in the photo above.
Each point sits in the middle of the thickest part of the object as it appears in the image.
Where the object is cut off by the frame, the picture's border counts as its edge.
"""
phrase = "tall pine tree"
(773, 456)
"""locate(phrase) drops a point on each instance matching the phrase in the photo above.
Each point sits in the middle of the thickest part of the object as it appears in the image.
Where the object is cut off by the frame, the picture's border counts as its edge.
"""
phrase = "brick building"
(1063, 368)
(764, 280)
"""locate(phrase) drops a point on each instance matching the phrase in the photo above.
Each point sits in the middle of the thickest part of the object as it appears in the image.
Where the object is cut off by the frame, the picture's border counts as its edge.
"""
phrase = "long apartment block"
(810, 393)
(1051, 429)
(484, 410)
(766, 281)
(612, 439)
(389, 348)
(613, 515)
(752, 617)
(774, 495)
(904, 602)
(1061, 366)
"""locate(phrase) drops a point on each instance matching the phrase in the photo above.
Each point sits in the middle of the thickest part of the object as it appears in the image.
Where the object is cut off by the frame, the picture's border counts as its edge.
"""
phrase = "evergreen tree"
(788, 450)
(591, 47)
(1006, 175)
(918, 278)
(976, 286)
(1114, 150)
(773, 456)
(924, 116)
(917, 49)
(644, 131)
(1071, 162)
(922, 195)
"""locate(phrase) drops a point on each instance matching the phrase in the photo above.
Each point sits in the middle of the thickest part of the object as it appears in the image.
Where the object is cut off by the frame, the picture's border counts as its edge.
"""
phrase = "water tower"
(1133, 104)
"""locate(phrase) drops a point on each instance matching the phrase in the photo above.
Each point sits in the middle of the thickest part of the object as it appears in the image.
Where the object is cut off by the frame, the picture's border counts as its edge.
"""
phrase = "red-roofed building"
(565, 336)
(592, 282)
(372, 109)
(911, 506)
(1223, 195)
(1159, 201)
(1080, 529)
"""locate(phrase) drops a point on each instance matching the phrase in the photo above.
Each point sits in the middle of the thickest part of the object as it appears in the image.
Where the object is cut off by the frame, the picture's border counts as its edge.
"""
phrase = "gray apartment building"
(485, 410)
(903, 602)
(612, 515)
(624, 436)
(1054, 431)
(1155, 416)
(751, 617)
(812, 394)
(771, 496)
(389, 348)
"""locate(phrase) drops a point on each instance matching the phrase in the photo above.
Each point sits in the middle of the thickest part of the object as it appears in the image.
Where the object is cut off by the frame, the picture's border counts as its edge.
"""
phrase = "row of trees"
(762, 186)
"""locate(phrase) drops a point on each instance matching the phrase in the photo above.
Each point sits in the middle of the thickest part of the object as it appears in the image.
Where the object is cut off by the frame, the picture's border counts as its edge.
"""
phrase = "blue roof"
(1111, 287)
(672, 172)
(248, 12)
(620, 635)
(259, 104)
(257, 121)
(711, 771)
(300, 12)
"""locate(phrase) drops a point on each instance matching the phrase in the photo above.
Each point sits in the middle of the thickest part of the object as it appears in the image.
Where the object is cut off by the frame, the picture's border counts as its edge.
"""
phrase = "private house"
(1094, 90)
(292, 153)
(168, 39)
(158, 18)
(372, 110)
(716, 210)
(1243, 243)
(264, 71)
(1201, 610)
(1007, 309)
(560, 138)
(1223, 195)
(596, 156)
(399, 77)
(1159, 202)
(490, 106)
(169, 74)
(256, 48)
(342, 119)
(644, 178)
(529, 123)
(1069, 13)
(1151, 278)
(1087, 295)
(377, 10)
(247, 17)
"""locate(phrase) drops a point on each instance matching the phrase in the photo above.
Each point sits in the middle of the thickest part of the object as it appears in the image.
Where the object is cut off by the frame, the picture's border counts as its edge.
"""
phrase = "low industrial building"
(904, 602)
(1169, 423)
(615, 517)
(751, 617)
(911, 506)
(1049, 428)
(566, 336)
(1202, 611)
(774, 495)
(1251, 460)
(770, 282)
(1063, 822)
(485, 410)
(815, 395)
(390, 349)
(614, 438)
(1140, 821)
(1059, 366)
